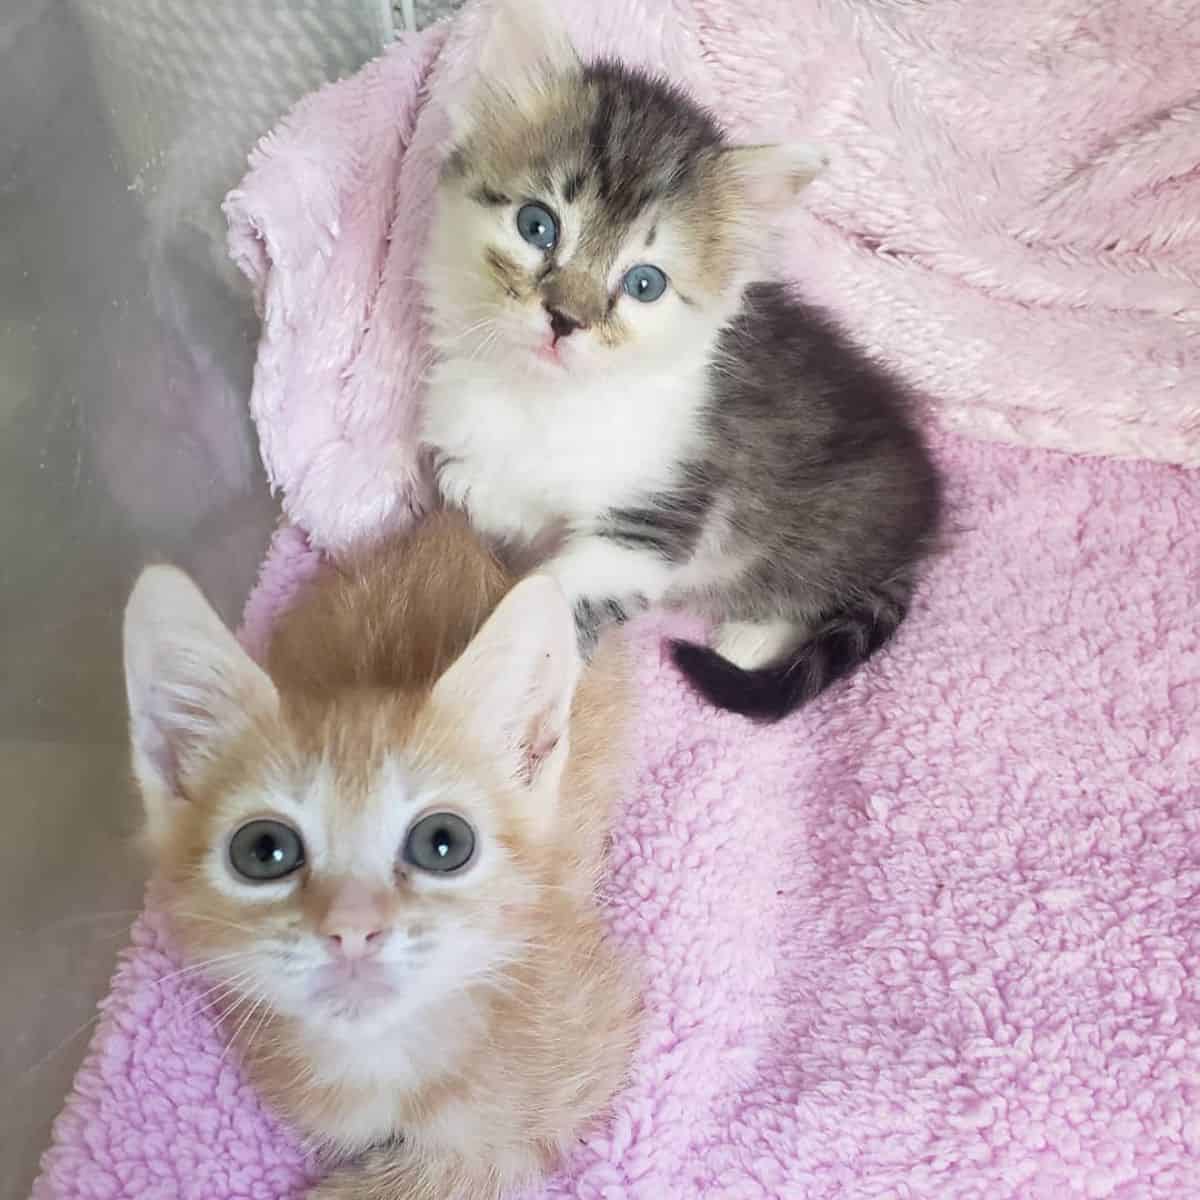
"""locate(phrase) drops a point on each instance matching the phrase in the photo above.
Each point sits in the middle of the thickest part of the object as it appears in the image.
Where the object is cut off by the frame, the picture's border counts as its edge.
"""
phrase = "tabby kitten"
(616, 389)
(384, 847)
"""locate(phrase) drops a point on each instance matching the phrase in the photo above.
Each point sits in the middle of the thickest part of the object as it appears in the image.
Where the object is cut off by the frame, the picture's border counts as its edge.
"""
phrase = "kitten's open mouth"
(548, 353)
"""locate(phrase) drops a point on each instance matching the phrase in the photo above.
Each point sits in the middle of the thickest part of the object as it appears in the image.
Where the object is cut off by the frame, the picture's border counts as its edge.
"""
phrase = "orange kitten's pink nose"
(355, 922)
(355, 944)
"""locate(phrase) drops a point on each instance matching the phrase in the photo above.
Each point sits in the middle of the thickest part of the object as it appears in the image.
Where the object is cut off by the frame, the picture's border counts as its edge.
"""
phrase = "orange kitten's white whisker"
(220, 993)
(204, 965)
(222, 922)
(46, 1058)
(68, 922)
(259, 1001)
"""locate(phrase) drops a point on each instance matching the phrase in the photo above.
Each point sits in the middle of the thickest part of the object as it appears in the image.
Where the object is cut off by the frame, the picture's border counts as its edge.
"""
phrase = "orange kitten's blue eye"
(441, 843)
(264, 850)
(537, 226)
(644, 282)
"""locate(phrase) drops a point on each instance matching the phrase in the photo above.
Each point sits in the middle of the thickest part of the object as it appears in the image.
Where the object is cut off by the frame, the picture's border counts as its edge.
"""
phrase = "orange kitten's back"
(391, 616)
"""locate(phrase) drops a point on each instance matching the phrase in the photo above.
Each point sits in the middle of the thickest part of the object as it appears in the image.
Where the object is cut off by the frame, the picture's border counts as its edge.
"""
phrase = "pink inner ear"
(537, 747)
(155, 746)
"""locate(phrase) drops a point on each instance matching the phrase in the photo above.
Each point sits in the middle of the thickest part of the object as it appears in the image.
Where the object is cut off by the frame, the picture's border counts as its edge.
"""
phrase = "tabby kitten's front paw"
(587, 626)
(592, 617)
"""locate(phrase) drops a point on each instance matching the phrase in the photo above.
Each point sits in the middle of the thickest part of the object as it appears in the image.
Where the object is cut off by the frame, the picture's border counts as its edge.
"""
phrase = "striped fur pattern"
(722, 448)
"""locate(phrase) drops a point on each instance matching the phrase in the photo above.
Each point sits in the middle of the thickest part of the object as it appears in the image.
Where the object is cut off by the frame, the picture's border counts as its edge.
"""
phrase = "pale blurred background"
(126, 348)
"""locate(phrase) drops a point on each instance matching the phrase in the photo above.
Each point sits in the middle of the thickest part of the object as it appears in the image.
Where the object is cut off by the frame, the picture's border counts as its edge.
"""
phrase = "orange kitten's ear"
(772, 176)
(191, 689)
(525, 49)
(511, 689)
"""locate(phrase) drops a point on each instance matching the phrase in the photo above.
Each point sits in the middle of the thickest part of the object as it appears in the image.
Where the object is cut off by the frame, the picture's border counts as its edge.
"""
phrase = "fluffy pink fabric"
(938, 936)
(1010, 219)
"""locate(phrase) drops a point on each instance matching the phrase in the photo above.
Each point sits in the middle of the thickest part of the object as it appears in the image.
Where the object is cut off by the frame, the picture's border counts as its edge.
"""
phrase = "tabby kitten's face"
(592, 218)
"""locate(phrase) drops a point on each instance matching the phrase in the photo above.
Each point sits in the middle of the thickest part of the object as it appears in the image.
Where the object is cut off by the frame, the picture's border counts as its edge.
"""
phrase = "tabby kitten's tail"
(838, 644)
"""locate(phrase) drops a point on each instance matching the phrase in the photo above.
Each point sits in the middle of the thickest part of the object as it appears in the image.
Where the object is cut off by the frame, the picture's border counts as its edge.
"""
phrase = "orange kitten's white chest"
(361, 1090)
(521, 456)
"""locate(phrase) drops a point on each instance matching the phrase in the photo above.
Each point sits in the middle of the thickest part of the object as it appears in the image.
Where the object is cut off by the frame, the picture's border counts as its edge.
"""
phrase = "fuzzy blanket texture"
(939, 934)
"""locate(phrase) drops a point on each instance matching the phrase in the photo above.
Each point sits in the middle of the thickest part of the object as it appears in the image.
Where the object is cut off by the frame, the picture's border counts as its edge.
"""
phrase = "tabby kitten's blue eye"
(537, 226)
(264, 850)
(644, 283)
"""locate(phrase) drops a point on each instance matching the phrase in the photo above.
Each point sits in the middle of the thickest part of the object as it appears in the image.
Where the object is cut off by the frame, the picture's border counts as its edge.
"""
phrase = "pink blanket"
(938, 935)
(1011, 219)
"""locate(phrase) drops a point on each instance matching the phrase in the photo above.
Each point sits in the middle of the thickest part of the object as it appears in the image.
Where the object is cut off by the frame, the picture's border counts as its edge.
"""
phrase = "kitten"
(611, 373)
(385, 848)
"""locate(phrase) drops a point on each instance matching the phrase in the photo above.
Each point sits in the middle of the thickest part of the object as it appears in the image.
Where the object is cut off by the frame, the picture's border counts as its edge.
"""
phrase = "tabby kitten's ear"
(192, 690)
(525, 51)
(771, 176)
(511, 690)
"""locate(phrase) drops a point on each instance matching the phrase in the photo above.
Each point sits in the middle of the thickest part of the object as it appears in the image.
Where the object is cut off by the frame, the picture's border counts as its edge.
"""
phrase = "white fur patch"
(754, 644)
(594, 567)
(523, 453)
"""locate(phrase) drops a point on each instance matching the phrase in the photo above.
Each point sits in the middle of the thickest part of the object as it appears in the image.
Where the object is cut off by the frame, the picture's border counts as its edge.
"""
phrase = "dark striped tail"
(840, 644)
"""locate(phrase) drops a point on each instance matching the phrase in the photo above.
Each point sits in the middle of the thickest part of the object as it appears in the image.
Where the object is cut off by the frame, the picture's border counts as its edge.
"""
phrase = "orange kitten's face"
(348, 860)
(352, 892)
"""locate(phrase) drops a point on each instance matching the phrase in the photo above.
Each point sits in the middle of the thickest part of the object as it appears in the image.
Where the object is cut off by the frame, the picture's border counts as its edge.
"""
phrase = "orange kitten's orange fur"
(482, 1015)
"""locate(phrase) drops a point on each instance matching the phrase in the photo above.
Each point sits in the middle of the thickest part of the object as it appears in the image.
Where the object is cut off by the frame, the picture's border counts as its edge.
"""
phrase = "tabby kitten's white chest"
(519, 454)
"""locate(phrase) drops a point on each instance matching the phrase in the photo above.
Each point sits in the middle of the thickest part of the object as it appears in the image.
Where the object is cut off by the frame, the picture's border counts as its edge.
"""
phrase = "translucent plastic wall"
(125, 354)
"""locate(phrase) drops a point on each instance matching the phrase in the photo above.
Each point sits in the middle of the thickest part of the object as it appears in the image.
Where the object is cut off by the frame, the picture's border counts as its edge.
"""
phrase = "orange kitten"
(386, 845)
